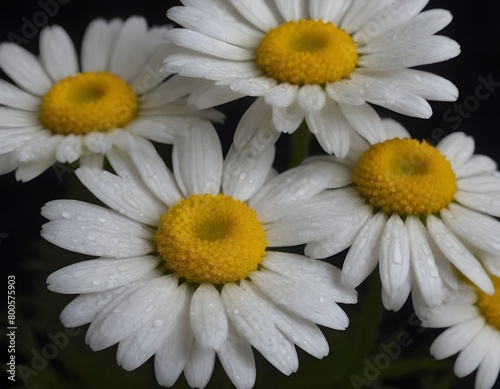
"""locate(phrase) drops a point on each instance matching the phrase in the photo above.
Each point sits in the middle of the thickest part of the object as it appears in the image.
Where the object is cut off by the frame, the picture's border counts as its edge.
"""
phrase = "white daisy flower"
(473, 318)
(322, 61)
(61, 111)
(184, 272)
(417, 211)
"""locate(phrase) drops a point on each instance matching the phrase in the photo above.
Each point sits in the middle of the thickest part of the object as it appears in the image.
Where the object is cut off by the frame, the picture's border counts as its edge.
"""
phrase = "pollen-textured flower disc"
(405, 176)
(88, 102)
(307, 52)
(207, 238)
(490, 305)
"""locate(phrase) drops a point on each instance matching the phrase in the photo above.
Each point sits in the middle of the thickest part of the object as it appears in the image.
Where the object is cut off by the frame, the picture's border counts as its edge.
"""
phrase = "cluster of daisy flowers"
(201, 255)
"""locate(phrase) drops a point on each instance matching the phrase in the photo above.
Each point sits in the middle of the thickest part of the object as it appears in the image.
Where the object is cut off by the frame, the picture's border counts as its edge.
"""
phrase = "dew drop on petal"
(158, 322)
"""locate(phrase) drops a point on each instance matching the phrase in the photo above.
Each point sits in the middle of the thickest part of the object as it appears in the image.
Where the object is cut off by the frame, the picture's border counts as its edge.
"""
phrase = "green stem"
(299, 145)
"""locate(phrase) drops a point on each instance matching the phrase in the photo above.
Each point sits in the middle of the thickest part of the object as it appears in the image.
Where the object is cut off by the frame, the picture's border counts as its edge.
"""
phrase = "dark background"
(24, 254)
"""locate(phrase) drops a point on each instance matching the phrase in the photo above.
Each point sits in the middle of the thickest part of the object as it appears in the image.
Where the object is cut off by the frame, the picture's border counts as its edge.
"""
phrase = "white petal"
(311, 98)
(471, 356)
(331, 129)
(13, 97)
(123, 195)
(84, 308)
(155, 50)
(491, 262)
(236, 357)
(477, 164)
(19, 137)
(304, 334)
(212, 95)
(288, 119)
(126, 58)
(456, 338)
(384, 20)
(347, 92)
(301, 182)
(421, 51)
(458, 148)
(488, 370)
(225, 25)
(480, 184)
(197, 161)
(98, 43)
(171, 90)
(395, 99)
(58, 53)
(161, 132)
(255, 131)
(154, 172)
(142, 344)
(199, 366)
(423, 265)
(345, 233)
(282, 95)
(300, 221)
(196, 65)
(316, 275)
(24, 68)
(12, 117)
(360, 12)
(245, 173)
(207, 317)
(452, 314)
(209, 46)
(70, 149)
(424, 24)
(329, 11)
(298, 298)
(292, 9)
(252, 317)
(458, 254)
(365, 121)
(258, 12)
(129, 312)
(123, 165)
(255, 86)
(394, 263)
(427, 85)
(43, 159)
(94, 239)
(394, 129)
(171, 358)
(479, 230)
(100, 274)
(363, 255)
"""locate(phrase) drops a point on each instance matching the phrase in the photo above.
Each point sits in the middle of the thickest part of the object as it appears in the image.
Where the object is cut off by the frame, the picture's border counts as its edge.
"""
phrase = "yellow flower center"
(405, 176)
(307, 52)
(490, 305)
(207, 238)
(88, 102)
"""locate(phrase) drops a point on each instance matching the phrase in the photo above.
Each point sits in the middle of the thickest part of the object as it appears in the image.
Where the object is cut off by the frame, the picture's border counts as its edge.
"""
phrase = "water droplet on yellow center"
(88, 102)
(307, 52)
(208, 238)
(405, 176)
(490, 305)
